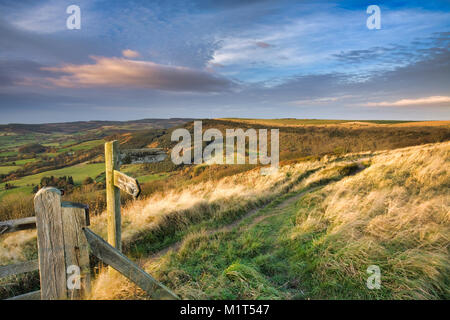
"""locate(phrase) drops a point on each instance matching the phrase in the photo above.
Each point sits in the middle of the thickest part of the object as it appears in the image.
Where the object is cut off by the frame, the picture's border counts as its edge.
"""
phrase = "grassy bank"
(319, 225)
(394, 214)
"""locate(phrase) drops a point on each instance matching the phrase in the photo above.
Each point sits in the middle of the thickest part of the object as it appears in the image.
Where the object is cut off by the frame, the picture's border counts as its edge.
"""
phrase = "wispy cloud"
(433, 100)
(125, 73)
(322, 100)
(128, 53)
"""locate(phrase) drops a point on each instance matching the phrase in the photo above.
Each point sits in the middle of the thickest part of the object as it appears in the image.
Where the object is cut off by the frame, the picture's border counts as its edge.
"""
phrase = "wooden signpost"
(116, 181)
(112, 163)
(126, 183)
(64, 241)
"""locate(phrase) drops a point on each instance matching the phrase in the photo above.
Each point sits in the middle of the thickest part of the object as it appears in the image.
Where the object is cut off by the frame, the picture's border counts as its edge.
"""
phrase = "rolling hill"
(309, 231)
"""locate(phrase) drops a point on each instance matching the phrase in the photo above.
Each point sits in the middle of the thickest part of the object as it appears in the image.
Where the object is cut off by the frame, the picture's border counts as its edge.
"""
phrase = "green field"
(8, 169)
(138, 171)
(83, 146)
(8, 153)
(13, 141)
(20, 162)
(79, 172)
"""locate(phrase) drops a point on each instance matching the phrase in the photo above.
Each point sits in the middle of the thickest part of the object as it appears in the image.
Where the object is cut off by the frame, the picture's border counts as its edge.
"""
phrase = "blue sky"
(258, 59)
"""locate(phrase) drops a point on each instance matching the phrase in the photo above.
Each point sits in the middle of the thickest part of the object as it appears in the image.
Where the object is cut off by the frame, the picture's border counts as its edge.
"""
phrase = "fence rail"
(117, 260)
(22, 267)
(17, 225)
(19, 268)
(34, 295)
(64, 241)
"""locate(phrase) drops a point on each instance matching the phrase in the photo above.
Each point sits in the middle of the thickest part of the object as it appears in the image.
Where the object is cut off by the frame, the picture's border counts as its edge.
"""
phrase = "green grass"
(8, 153)
(21, 162)
(51, 144)
(8, 169)
(139, 172)
(238, 264)
(14, 141)
(152, 177)
(79, 172)
(258, 261)
(83, 146)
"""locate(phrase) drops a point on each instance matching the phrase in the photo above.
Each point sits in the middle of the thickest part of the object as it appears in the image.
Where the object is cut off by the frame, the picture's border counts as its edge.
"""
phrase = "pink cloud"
(121, 72)
(128, 53)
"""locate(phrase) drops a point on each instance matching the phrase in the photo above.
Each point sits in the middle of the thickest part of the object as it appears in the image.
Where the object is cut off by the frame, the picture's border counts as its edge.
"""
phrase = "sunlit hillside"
(309, 230)
(392, 211)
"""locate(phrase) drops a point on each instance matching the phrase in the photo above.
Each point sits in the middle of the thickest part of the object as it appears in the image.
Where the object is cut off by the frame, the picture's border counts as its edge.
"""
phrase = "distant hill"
(73, 127)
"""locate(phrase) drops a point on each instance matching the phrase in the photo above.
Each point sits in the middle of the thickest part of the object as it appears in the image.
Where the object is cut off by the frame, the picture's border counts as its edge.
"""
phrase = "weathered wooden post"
(112, 162)
(116, 181)
(62, 248)
(76, 250)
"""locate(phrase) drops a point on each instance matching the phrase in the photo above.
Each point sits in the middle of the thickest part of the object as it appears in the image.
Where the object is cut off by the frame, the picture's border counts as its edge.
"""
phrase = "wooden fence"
(65, 241)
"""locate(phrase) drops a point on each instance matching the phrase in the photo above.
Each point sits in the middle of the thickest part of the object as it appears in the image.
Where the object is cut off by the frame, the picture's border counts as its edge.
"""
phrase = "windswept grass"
(394, 214)
(163, 218)
(389, 208)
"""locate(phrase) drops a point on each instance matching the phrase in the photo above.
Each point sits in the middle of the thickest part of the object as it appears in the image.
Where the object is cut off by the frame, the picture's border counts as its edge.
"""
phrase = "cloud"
(13, 72)
(323, 100)
(121, 72)
(263, 44)
(433, 100)
(128, 53)
(396, 54)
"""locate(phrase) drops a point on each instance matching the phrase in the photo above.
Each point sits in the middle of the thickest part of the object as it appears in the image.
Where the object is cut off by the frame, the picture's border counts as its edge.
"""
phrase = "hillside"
(309, 231)
(68, 154)
(317, 243)
(74, 127)
(300, 138)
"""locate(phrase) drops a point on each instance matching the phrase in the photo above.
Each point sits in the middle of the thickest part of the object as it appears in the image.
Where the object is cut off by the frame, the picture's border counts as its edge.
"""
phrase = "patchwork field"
(8, 169)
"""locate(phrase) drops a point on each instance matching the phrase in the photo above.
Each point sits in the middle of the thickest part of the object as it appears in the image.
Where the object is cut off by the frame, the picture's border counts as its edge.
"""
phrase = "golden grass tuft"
(394, 214)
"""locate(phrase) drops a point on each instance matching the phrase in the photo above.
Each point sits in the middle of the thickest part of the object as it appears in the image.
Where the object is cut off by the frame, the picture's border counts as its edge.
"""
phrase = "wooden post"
(62, 249)
(76, 250)
(52, 266)
(112, 162)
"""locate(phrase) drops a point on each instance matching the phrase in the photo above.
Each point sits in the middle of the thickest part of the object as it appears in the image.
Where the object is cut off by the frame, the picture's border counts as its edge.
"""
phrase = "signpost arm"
(112, 162)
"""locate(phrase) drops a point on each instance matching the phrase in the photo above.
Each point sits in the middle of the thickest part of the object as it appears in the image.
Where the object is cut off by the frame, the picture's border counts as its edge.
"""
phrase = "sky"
(223, 58)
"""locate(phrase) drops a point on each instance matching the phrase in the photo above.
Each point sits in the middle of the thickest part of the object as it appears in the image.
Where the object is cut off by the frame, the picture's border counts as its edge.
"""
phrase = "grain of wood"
(19, 268)
(114, 258)
(127, 184)
(17, 225)
(112, 162)
(34, 295)
(52, 270)
(76, 248)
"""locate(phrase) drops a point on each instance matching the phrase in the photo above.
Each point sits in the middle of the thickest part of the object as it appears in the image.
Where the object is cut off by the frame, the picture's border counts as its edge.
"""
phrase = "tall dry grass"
(395, 214)
(243, 188)
(177, 208)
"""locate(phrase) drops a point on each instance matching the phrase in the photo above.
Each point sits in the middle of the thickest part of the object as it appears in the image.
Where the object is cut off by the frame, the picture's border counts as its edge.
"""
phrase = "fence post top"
(48, 189)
